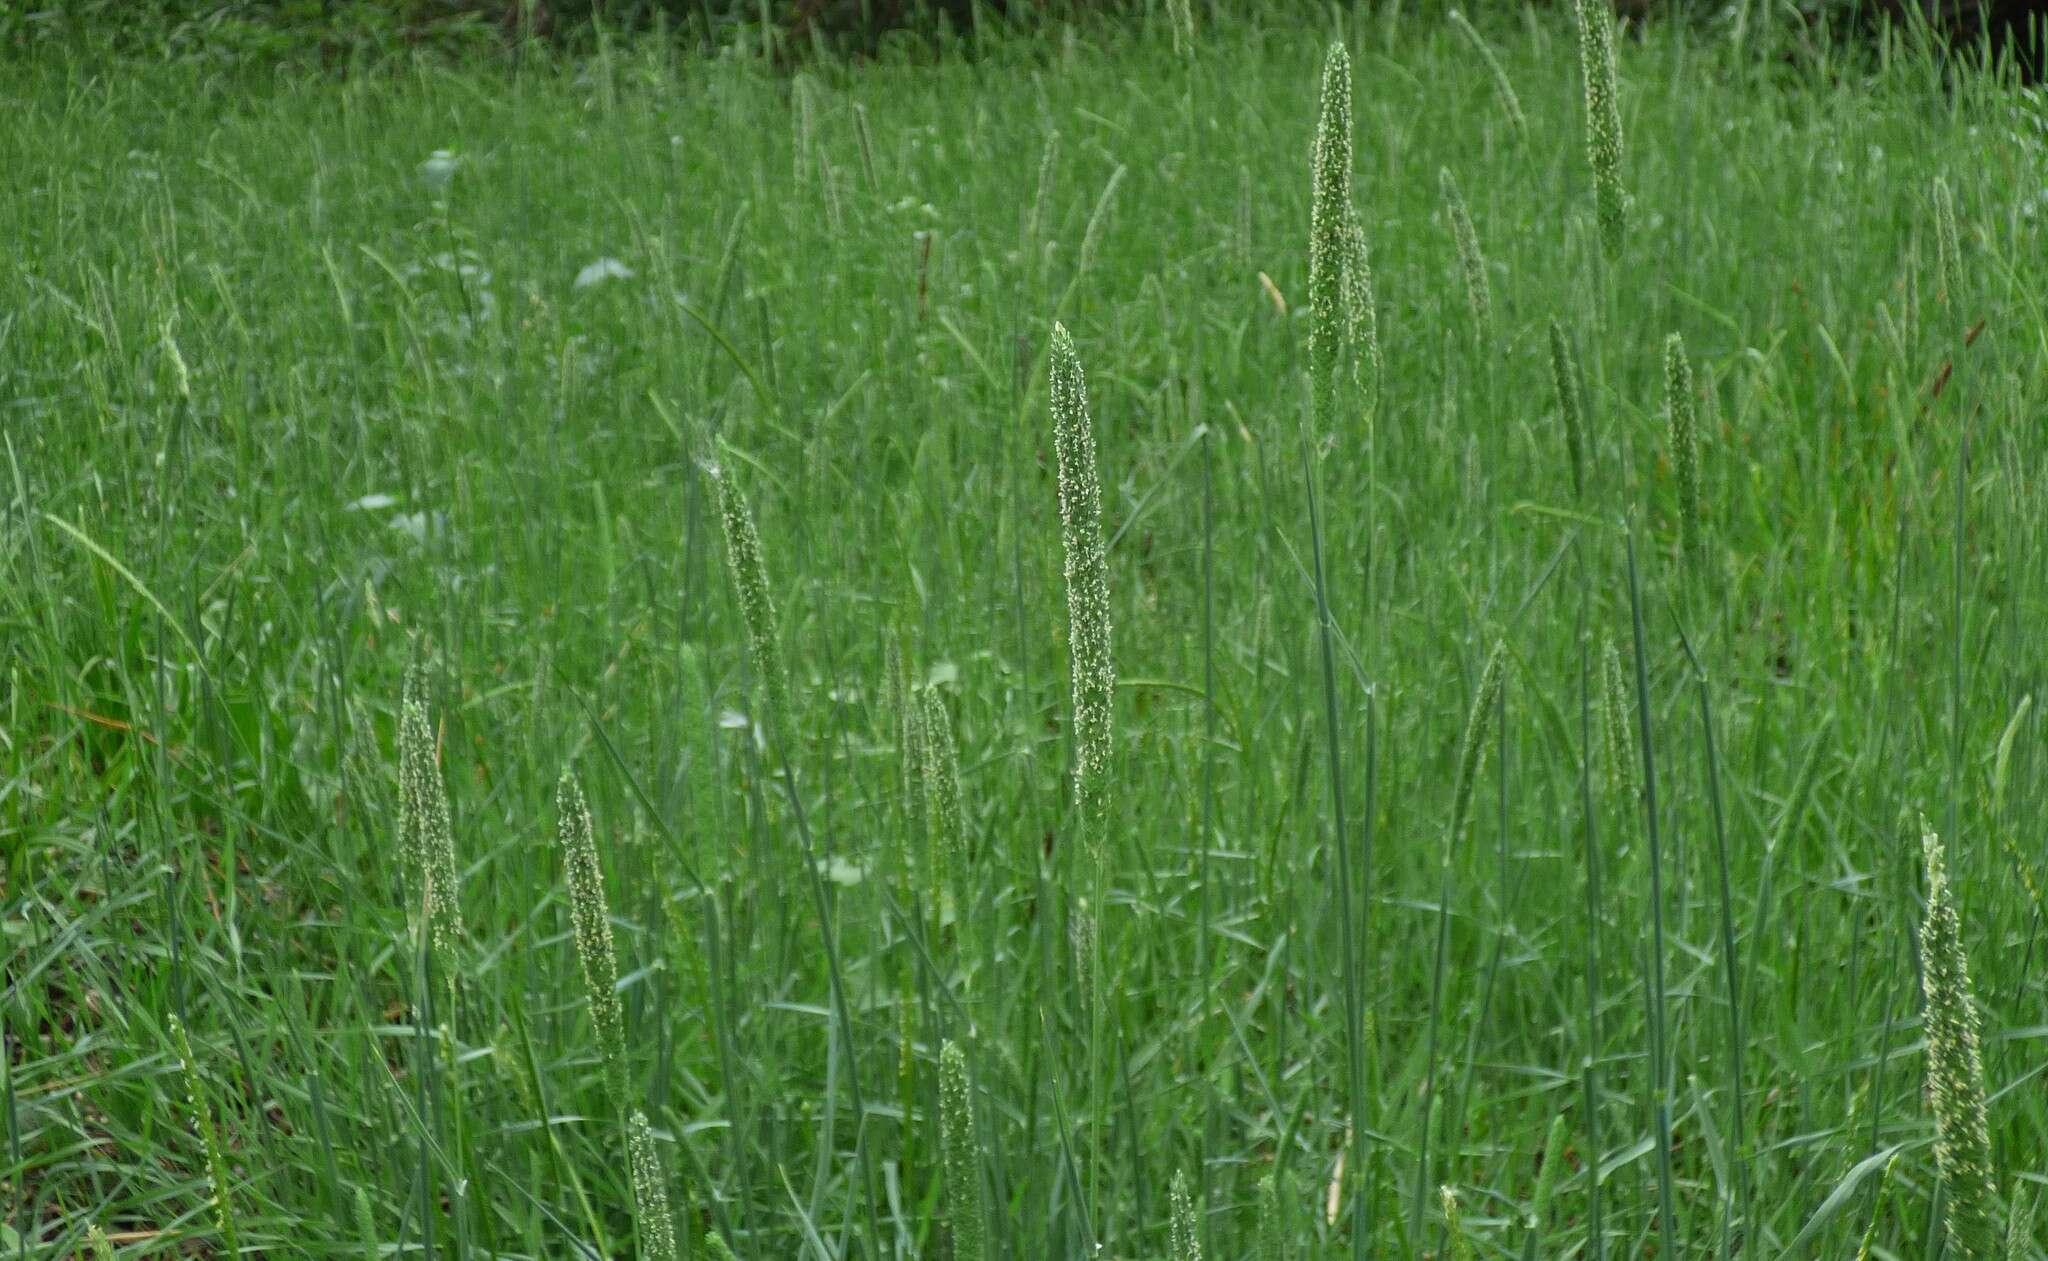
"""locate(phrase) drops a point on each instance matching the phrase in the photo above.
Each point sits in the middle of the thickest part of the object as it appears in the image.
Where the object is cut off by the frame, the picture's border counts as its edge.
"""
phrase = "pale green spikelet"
(1472, 750)
(916, 799)
(650, 1191)
(591, 918)
(1454, 1225)
(1685, 440)
(1184, 1235)
(2019, 1227)
(962, 1156)
(1948, 247)
(366, 1226)
(1546, 1177)
(750, 589)
(1503, 90)
(715, 1244)
(1564, 379)
(425, 834)
(1955, 1067)
(1621, 767)
(942, 788)
(96, 1240)
(1477, 297)
(1273, 1244)
(1087, 573)
(1335, 243)
(209, 1138)
(1183, 15)
(1603, 119)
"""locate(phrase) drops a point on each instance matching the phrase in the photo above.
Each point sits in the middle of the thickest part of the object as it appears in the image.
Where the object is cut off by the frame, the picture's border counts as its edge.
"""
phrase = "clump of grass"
(1503, 90)
(201, 1114)
(1603, 120)
(650, 1191)
(1685, 441)
(426, 837)
(592, 921)
(1564, 378)
(961, 1152)
(1955, 1067)
(1087, 573)
(1184, 1239)
(1477, 297)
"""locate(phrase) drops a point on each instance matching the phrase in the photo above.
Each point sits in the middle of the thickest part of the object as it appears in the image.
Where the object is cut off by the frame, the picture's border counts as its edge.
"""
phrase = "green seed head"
(1343, 330)
(942, 788)
(1685, 440)
(1546, 1177)
(1184, 1235)
(1478, 732)
(592, 921)
(426, 837)
(962, 1156)
(1273, 1243)
(715, 1244)
(750, 588)
(1948, 244)
(1955, 1068)
(1454, 1225)
(96, 1240)
(201, 1114)
(1087, 571)
(1621, 774)
(1503, 90)
(650, 1191)
(1469, 258)
(1564, 379)
(1603, 119)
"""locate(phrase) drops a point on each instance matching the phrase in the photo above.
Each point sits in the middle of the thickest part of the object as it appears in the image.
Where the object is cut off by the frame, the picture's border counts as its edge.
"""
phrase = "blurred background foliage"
(334, 32)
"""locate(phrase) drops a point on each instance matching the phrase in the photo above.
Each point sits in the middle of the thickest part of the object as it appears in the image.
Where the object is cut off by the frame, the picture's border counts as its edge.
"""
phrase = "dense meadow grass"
(317, 382)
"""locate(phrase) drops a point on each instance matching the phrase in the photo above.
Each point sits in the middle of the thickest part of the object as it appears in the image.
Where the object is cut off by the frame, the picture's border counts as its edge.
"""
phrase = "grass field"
(294, 403)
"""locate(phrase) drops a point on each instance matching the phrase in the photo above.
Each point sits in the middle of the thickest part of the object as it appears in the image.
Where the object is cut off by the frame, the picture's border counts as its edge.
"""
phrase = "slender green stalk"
(1471, 750)
(1336, 274)
(1660, 1065)
(1955, 1068)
